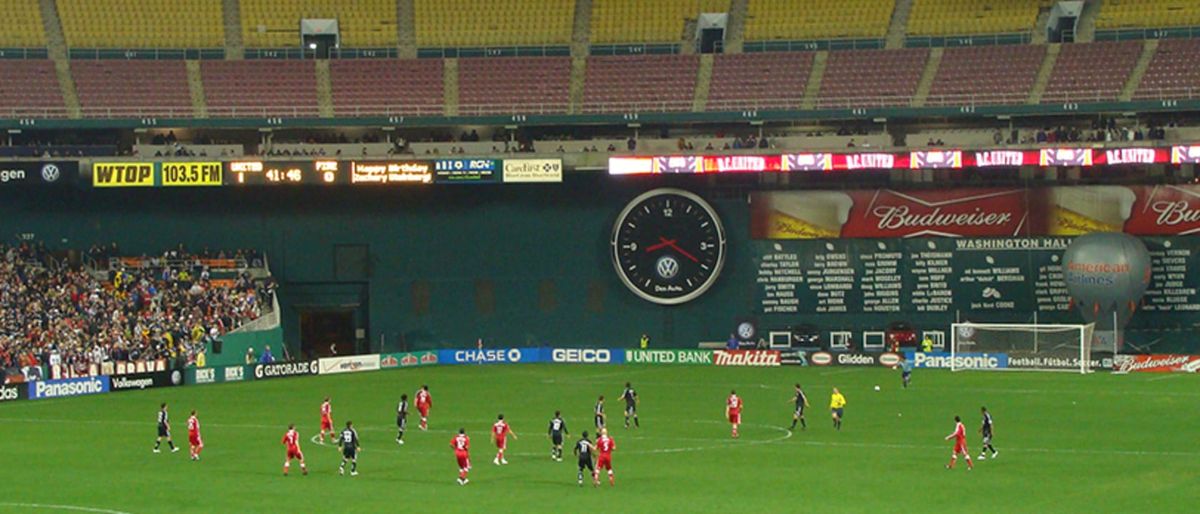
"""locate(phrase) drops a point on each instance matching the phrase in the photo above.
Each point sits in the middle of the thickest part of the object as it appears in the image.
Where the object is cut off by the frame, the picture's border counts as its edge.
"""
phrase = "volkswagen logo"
(667, 267)
(51, 173)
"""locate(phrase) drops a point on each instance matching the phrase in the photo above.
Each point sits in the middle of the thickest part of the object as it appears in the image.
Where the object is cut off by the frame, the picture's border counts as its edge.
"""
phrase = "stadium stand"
(482, 23)
(114, 88)
(872, 77)
(275, 23)
(276, 88)
(142, 23)
(646, 21)
(986, 74)
(24, 26)
(780, 20)
(387, 86)
(514, 84)
(643, 82)
(1172, 72)
(759, 80)
(955, 17)
(1091, 71)
(29, 88)
(1115, 14)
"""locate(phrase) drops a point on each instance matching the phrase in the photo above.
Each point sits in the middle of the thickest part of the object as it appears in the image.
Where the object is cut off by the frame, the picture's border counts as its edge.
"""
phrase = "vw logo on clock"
(668, 246)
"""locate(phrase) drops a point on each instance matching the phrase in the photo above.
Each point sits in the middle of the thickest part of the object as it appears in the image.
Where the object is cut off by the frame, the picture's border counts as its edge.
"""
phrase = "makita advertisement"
(958, 361)
(68, 387)
(286, 369)
(350, 364)
(587, 356)
(693, 357)
(747, 358)
(139, 381)
(491, 356)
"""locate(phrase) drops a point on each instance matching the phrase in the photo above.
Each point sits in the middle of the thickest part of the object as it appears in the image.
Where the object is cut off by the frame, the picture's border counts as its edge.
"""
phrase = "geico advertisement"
(587, 355)
(123, 174)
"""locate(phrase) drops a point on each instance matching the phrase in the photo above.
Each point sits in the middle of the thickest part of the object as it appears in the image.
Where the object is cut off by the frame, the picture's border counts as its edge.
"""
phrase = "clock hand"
(663, 244)
(684, 252)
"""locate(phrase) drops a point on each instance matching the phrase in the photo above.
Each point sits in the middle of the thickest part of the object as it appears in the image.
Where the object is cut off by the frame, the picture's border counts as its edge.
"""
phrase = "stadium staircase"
(450, 86)
(927, 76)
(406, 24)
(578, 76)
(813, 87)
(1039, 35)
(1086, 28)
(231, 17)
(57, 49)
(1043, 75)
(703, 83)
(898, 28)
(735, 26)
(324, 89)
(1149, 48)
(196, 89)
(581, 33)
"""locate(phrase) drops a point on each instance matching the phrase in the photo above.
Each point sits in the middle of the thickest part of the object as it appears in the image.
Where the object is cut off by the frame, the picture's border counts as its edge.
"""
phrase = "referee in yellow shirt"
(837, 404)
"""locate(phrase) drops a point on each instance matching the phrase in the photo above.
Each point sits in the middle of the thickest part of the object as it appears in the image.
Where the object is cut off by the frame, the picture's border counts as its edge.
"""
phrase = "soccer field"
(1067, 443)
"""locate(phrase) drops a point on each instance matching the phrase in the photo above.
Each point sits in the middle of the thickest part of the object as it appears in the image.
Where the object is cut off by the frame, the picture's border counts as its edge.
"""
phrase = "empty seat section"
(1088, 72)
(1173, 72)
(276, 23)
(986, 75)
(142, 23)
(260, 87)
(759, 80)
(640, 83)
(784, 20)
(29, 88)
(22, 25)
(647, 21)
(387, 86)
(872, 77)
(1117, 14)
(477, 23)
(947, 17)
(110, 88)
(514, 84)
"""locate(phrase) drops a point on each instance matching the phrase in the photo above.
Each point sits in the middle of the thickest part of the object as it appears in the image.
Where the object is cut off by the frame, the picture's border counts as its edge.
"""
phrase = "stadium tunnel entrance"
(327, 331)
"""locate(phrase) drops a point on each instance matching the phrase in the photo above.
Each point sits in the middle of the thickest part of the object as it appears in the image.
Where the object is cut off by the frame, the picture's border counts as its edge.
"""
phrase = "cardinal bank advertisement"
(976, 212)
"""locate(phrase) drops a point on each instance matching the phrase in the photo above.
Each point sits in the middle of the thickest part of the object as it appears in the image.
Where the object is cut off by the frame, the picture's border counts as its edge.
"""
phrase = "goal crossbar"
(1021, 346)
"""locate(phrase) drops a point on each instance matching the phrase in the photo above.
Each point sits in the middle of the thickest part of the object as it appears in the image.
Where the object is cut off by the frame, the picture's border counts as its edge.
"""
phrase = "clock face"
(668, 246)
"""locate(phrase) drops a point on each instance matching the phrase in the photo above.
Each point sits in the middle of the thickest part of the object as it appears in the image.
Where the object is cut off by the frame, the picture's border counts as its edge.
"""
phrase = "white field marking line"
(1165, 377)
(47, 506)
(589, 379)
(839, 371)
(1008, 449)
(1061, 392)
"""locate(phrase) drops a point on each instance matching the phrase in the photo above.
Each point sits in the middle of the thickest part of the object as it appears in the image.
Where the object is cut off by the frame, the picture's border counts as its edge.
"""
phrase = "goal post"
(1021, 346)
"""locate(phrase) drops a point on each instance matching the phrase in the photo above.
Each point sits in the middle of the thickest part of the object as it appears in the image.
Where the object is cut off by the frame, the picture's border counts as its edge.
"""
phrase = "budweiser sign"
(1156, 363)
(747, 358)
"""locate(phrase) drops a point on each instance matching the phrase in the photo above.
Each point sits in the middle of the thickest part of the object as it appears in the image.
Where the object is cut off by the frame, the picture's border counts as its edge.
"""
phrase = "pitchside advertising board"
(685, 357)
(1156, 363)
(408, 359)
(218, 374)
(38, 173)
(943, 360)
(491, 356)
(587, 356)
(68, 387)
(286, 369)
(886, 359)
(140, 381)
(348, 364)
(12, 392)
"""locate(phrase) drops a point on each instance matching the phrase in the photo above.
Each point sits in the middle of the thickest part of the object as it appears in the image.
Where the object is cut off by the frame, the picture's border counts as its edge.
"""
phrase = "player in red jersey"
(960, 444)
(424, 402)
(605, 446)
(326, 420)
(462, 452)
(733, 410)
(195, 443)
(291, 440)
(500, 433)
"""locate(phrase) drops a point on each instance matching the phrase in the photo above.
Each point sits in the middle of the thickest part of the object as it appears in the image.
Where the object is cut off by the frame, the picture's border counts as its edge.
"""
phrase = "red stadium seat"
(770, 80)
(1089, 72)
(640, 83)
(116, 88)
(30, 88)
(260, 88)
(532, 85)
(387, 86)
(1172, 73)
(866, 78)
(986, 75)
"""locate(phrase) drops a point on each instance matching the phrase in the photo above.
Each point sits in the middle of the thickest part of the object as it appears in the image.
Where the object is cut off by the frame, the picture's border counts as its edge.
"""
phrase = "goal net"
(1021, 346)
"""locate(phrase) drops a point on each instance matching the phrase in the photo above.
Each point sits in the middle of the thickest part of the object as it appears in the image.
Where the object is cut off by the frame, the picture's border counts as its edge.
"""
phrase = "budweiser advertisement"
(747, 358)
(977, 212)
(1156, 363)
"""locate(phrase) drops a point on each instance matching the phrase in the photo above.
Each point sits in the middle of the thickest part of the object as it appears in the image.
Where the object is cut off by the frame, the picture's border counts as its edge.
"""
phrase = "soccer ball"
(876, 388)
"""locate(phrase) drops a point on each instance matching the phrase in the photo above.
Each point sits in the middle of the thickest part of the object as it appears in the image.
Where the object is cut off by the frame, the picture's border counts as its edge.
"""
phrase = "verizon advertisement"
(976, 212)
(350, 364)
(1156, 363)
(760, 358)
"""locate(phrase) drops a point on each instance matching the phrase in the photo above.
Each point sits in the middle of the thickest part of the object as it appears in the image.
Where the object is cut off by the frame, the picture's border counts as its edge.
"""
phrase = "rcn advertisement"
(1157, 363)
(68, 387)
(466, 171)
(943, 360)
(1146, 210)
(759, 358)
(286, 369)
(38, 173)
(348, 364)
(139, 381)
(491, 356)
(587, 356)
(690, 357)
(408, 359)
(219, 374)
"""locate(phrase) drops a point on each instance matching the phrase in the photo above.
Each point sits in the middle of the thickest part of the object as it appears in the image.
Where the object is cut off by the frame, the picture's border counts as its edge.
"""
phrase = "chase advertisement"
(491, 356)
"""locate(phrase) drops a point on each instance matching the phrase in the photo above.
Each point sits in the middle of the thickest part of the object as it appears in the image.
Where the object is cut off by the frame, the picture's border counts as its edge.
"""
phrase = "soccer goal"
(1021, 346)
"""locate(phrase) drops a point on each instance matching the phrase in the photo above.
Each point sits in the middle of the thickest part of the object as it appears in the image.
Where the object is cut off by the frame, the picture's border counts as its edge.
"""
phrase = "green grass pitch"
(1068, 443)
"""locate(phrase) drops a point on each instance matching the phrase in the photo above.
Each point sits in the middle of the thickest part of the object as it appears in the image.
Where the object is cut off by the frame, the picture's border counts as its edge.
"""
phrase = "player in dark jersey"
(164, 430)
(401, 418)
(584, 451)
(350, 447)
(801, 402)
(985, 430)
(600, 417)
(558, 429)
(631, 403)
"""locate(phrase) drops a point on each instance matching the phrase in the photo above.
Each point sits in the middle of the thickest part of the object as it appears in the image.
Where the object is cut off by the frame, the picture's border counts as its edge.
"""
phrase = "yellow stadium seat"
(23, 28)
(782, 20)
(1116, 14)
(276, 23)
(961, 17)
(142, 23)
(475, 23)
(646, 21)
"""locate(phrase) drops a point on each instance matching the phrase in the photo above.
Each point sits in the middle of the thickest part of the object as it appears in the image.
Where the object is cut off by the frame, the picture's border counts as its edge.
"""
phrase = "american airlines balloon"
(1106, 273)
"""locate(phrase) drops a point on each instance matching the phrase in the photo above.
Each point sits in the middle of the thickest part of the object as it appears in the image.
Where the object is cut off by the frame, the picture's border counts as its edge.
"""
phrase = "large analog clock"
(668, 246)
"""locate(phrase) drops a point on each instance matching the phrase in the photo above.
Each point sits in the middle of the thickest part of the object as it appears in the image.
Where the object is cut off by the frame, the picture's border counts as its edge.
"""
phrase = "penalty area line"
(49, 506)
